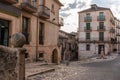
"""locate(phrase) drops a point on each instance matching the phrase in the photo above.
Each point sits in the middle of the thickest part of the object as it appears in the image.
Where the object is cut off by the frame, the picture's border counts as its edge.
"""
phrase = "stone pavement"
(62, 72)
(96, 59)
(32, 69)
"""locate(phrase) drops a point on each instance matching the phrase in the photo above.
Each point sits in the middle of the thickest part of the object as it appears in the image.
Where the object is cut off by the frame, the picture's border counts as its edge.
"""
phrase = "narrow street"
(105, 70)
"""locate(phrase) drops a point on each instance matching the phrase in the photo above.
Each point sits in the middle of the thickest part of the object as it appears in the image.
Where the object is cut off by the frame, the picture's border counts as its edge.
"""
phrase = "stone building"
(38, 20)
(68, 40)
(117, 28)
(96, 31)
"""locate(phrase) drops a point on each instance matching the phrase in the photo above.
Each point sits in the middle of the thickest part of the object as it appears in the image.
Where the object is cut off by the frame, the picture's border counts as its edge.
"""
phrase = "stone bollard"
(12, 60)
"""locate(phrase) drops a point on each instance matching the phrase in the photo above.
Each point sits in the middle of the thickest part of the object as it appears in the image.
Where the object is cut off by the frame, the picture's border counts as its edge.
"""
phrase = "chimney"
(94, 6)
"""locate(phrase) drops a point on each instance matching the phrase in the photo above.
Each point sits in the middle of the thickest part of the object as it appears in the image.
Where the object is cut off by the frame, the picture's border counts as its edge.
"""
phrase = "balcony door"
(4, 32)
(101, 36)
(87, 36)
(101, 16)
(87, 26)
(101, 25)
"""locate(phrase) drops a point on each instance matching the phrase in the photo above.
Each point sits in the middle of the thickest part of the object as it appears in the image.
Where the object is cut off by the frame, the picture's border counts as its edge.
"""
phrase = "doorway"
(100, 47)
(4, 32)
(54, 56)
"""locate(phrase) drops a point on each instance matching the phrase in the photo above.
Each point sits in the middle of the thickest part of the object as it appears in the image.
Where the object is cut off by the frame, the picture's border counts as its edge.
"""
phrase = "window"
(41, 33)
(26, 55)
(87, 26)
(88, 17)
(40, 55)
(101, 25)
(101, 36)
(101, 16)
(52, 9)
(25, 28)
(4, 32)
(87, 35)
(87, 47)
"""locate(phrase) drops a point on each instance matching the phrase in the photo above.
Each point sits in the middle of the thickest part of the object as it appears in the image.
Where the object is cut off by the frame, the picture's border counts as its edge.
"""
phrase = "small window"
(40, 55)
(88, 47)
(26, 55)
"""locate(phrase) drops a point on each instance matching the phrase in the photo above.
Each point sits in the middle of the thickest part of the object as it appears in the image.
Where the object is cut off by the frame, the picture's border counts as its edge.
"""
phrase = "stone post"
(12, 60)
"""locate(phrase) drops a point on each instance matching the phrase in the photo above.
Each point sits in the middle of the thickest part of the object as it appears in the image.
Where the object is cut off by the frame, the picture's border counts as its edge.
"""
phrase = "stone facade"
(95, 32)
(12, 63)
(117, 28)
(68, 43)
(38, 20)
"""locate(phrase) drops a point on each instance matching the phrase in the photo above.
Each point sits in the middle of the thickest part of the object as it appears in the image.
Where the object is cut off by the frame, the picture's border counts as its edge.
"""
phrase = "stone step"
(32, 75)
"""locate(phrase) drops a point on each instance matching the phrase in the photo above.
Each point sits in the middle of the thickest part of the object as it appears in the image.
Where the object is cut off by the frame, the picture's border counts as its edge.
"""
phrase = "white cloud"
(71, 21)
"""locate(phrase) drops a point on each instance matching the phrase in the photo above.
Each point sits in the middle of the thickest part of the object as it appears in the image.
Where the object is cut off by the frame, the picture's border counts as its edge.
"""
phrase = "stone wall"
(12, 63)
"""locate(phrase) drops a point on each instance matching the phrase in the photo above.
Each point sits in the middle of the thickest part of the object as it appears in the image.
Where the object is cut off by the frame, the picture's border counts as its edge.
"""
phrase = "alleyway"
(105, 70)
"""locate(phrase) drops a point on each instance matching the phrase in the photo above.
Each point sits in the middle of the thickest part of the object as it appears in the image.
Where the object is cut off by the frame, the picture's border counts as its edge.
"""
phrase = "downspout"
(37, 37)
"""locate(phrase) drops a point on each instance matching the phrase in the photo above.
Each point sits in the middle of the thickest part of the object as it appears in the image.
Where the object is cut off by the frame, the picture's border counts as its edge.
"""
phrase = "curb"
(46, 71)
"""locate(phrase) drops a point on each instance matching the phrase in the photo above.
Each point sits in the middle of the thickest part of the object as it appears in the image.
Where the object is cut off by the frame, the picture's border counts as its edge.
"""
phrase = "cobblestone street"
(62, 72)
(105, 70)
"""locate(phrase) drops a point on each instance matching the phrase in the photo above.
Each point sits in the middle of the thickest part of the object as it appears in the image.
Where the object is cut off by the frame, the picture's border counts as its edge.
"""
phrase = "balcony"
(9, 1)
(87, 29)
(113, 40)
(101, 18)
(95, 40)
(112, 21)
(88, 19)
(118, 34)
(112, 30)
(44, 12)
(117, 26)
(101, 28)
(61, 21)
(29, 6)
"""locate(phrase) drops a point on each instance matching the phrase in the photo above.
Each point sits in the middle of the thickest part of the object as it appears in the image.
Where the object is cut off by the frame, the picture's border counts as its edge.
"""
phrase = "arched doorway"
(55, 56)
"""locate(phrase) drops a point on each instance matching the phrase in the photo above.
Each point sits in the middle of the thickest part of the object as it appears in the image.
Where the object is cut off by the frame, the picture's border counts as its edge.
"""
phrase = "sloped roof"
(97, 9)
(58, 2)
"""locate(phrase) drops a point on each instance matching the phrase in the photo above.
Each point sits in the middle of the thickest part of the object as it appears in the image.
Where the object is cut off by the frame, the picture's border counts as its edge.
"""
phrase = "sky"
(69, 12)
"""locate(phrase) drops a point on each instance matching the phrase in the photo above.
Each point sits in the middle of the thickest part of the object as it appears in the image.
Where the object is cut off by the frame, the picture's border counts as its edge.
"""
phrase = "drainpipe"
(37, 37)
